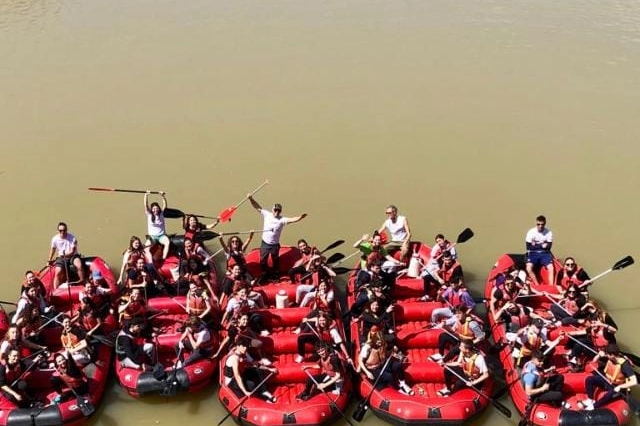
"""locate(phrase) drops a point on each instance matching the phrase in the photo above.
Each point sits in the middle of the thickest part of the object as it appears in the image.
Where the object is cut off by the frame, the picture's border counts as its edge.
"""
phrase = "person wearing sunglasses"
(65, 245)
(538, 242)
(398, 228)
(571, 273)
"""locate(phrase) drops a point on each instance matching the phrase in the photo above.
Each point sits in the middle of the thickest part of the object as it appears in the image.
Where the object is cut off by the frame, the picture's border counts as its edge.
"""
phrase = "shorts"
(542, 258)
(60, 261)
(155, 239)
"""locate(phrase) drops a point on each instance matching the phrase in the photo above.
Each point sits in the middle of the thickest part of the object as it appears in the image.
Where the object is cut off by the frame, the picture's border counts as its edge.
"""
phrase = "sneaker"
(296, 331)
(264, 333)
(586, 404)
(298, 359)
(336, 392)
(436, 357)
(566, 405)
(444, 392)
(425, 298)
(405, 388)
(268, 397)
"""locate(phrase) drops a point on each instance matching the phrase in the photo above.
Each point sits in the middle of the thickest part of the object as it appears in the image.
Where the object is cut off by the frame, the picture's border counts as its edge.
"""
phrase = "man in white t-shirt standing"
(399, 232)
(65, 246)
(271, 232)
(539, 241)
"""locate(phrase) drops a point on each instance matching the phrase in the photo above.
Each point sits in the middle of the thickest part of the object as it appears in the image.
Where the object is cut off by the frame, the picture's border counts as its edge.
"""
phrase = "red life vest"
(89, 322)
(327, 366)
(197, 304)
(70, 381)
(597, 337)
(447, 273)
(12, 374)
(454, 297)
(567, 280)
(69, 340)
(571, 306)
(470, 368)
(522, 319)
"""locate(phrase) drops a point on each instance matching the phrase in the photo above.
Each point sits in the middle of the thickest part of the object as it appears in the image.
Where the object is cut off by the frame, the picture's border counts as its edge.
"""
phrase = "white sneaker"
(566, 405)
(298, 359)
(265, 361)
(264, 333)
(586, 404)
(296, 331)
(336, 392)
(436, 357)
(405, 388)
(424, 298)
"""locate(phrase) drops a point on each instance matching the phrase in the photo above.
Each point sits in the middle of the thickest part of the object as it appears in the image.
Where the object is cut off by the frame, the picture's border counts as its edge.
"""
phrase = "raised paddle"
(463, 237)
(334, 257)
(504, 410)
(332, 403)
(363, 406)
(226, 214)
(333, 245)
(131, 191)
(204, 235)
(244, 398)
(4, 302)
(620, 264)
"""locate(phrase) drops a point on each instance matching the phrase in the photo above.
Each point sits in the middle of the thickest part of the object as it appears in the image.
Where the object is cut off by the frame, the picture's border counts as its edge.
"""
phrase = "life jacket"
(321, 304)
(327, 366)
(571, 306)
(454, 297)
(69, 340)
(613, 371)
(197, 304)
(237, 258)
(447, 273)
(135, 309)
(134, 255)
(136, 340)
(532, 342)
(530, 368)
(597, 337)
(521, 319)
(12, 374)
(470, 368)
(325, 335)
(88, 322)
(95, 300)
(464, 330)
(71, 381)
(567, 280)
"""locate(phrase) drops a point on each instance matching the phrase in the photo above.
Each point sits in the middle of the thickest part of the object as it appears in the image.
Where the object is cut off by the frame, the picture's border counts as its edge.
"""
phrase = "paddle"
(226, 214)
(244, 398)
(171, 213)
(333, 245)
(4, 302)
(355, 253)
(132, 191)
(504, 410)
(332, 403)
(171, 382)
(334, 257)
(620, 264)
(363, 406)
(463, 237)
(247, 232)
(86, 407)
(205, 235)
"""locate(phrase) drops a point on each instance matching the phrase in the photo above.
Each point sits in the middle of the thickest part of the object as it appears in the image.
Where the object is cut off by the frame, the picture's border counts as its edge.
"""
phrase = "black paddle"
(620, 264)
(332, 403)
(132, 191)
(333, 245)
(171, 382)
(334, 257)
(504, 410)
(4, 302)
(463, 237)
(86, 407)
(363, 405)
(205, 235)
(244, 398)
(171, 213)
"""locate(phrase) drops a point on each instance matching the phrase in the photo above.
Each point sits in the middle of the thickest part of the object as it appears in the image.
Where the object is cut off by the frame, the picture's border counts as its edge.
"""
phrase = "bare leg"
(551, 274)
(77, 262)
(532, 274)
(164, 240)
(57, 276)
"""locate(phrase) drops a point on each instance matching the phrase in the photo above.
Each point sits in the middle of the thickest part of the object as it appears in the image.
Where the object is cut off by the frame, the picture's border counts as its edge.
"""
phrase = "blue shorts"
(543, 258)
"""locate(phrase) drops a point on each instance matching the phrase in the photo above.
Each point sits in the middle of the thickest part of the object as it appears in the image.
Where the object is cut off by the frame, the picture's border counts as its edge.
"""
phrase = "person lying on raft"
(67, 375)
(329, 374)
(242, 375)
(372, 362)
(320, 329)
(468, 370)
(614, 374)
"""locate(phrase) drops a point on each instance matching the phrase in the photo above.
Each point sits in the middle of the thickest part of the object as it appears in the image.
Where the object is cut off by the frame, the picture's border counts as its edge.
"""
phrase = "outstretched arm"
(297, 218)
(146, 202)
(248, 241)
(164, 200)
(254, 203)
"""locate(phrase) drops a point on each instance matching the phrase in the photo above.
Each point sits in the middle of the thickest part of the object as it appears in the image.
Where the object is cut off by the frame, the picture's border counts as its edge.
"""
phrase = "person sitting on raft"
(320, 329)
(381, 365)
(570, 274)
(240, 304)
(399, 232)
(238, 328)
(196, 339)
(468, 370)
(329, 373)
(541, 385)
(372, 249)
(132, 349)
(234, 249)
(67, 375)
(614, 374)
(448, 272)
(243, 376)
(533, 337)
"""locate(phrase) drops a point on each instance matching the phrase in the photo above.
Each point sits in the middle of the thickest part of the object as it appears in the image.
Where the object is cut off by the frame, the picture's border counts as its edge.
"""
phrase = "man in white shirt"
(399, 232)
(538, 241)
(274, 222)
(66, 247)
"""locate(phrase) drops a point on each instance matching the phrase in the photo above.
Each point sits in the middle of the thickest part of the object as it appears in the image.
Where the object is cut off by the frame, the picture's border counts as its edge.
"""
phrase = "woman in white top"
(156, 232)
(399, 232)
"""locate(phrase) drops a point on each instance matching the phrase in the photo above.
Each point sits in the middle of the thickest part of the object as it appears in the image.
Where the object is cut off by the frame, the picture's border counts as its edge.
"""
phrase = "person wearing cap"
(273, 223)
(614, 374)
(538, 242)
(66, 247)
(399, 232)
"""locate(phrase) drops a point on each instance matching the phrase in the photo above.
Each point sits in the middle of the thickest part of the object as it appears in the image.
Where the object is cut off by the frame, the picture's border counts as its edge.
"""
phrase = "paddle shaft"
(363, 405)
(332, 403)
(131, 191)
(244, 398)
(620, 264)
(504, 410)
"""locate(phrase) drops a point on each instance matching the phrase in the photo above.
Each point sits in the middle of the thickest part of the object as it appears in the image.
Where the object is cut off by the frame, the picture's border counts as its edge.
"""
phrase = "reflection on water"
(479, 114)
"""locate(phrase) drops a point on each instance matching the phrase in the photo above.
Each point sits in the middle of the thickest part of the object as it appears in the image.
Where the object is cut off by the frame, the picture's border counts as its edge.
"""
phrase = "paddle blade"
(360, 411)
(226, 214)
(335, 257)
(333, 245)
(86, 408)
(634, 404)
(504, 410)
(170, 213)
(623, 263)
(205, 235)
(341, 270)
(465, 236)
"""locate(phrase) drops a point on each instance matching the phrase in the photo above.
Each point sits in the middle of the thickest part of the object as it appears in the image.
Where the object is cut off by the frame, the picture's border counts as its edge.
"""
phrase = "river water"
(478, 114)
